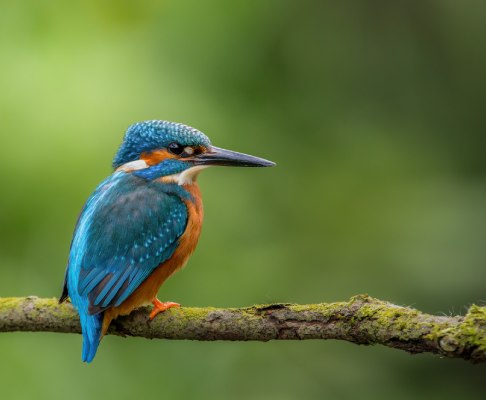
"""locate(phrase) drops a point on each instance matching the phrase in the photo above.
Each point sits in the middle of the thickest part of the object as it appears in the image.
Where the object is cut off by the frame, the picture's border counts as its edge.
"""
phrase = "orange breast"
(147, 291)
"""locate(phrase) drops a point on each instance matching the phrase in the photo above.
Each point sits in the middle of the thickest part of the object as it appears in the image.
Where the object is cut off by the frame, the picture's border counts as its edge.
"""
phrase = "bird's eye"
(175, 148)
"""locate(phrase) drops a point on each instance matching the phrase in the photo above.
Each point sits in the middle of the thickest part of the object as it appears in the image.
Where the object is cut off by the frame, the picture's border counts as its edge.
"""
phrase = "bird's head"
(156, 149)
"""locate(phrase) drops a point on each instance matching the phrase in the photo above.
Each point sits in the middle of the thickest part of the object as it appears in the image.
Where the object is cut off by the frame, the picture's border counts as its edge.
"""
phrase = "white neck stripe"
(132, 166)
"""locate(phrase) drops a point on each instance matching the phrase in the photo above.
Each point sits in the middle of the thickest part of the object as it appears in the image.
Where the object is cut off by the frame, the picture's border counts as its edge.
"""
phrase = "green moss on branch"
(361, 320)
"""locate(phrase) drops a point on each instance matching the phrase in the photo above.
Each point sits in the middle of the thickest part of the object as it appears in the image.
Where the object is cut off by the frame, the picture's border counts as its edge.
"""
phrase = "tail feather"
(91, 326)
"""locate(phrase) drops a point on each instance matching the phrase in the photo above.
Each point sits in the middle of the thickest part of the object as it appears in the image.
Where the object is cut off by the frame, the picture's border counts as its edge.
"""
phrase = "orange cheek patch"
(156, 157)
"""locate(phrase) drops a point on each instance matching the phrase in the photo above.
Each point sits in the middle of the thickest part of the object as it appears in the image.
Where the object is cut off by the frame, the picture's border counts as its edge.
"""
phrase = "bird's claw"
(160, 306)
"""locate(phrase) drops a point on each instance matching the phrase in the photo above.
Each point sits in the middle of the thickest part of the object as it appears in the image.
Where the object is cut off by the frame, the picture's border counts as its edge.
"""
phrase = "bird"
(141, 224)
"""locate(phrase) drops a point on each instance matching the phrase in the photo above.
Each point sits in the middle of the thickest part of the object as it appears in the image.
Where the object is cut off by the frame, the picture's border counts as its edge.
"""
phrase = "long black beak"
(217, 156)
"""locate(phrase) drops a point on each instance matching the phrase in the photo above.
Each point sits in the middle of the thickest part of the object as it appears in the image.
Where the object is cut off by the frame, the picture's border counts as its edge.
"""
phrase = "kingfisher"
(141, 224)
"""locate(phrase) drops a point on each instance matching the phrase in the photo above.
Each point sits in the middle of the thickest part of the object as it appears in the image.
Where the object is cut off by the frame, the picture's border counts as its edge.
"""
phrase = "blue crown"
(148, 136)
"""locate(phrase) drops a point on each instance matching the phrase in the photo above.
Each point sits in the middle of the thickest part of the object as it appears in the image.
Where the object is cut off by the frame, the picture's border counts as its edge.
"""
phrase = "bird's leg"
(160, 306)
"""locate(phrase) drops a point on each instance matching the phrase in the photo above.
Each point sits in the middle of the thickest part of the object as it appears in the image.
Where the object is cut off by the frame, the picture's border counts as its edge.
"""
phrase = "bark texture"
(361, 320)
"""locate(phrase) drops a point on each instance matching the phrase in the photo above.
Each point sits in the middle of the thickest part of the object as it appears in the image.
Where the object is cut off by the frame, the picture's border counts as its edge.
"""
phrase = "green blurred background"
(375, 114)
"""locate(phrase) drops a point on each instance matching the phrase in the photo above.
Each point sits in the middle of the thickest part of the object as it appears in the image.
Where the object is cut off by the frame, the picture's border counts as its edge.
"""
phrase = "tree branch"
(361, 320)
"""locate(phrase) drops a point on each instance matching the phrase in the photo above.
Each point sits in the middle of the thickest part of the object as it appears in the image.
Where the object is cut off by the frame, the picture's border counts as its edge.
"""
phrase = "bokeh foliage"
(374, 112)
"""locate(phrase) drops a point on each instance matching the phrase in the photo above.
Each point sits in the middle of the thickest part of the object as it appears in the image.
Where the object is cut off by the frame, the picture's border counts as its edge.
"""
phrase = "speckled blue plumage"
(127, 228)
(131, 232)
(149, 135)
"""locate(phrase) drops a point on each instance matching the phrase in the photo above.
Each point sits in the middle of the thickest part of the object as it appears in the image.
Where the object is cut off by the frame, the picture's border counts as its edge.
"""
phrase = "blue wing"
(128, 227)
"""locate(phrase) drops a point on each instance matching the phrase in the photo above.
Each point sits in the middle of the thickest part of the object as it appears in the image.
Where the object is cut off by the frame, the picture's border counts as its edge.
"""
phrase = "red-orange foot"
(160, 307)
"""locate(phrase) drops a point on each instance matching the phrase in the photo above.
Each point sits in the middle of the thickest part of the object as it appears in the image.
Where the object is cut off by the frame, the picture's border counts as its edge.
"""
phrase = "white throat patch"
(186, 177)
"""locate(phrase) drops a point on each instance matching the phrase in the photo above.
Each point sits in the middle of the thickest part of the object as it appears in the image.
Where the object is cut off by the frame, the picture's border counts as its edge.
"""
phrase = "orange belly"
(147, 291)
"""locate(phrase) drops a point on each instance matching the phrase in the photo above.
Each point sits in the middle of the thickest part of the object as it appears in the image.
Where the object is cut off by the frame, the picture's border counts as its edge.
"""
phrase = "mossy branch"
(361, 320)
